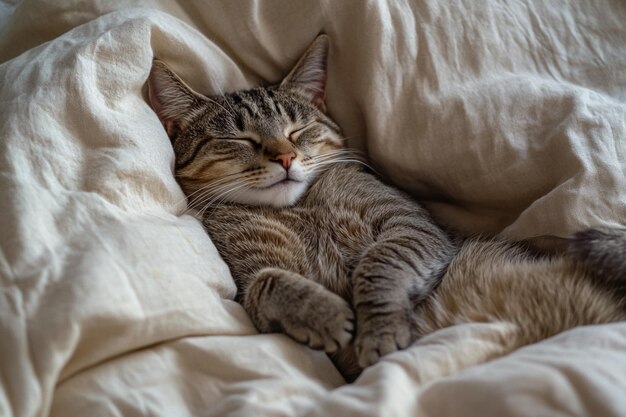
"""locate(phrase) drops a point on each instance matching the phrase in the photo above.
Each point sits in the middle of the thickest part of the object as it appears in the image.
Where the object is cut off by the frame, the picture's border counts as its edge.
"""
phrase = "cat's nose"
(284, 159)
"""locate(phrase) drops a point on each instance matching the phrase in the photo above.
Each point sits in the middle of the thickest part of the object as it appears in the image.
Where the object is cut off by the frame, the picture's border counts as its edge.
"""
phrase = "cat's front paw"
(325, 322)
(380, 335)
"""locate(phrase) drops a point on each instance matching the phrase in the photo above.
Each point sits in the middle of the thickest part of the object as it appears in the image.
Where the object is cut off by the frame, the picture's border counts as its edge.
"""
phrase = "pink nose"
(284, 159)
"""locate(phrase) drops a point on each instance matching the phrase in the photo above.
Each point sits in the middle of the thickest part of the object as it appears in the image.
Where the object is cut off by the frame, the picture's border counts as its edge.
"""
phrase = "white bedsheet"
(506, 116)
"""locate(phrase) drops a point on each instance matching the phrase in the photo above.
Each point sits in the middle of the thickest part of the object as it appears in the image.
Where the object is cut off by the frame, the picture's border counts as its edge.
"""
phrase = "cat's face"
(262, 146)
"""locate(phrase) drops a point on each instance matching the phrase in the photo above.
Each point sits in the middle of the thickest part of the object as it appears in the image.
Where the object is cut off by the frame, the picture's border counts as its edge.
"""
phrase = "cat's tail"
(603, 252)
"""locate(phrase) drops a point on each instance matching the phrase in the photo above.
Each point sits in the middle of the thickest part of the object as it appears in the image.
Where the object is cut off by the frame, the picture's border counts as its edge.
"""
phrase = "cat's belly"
(322, 243)
(335, 248)
(335, 239)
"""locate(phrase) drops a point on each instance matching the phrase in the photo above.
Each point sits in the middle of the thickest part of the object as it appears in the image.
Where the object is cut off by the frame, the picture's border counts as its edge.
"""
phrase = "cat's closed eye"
(294, 134)
(246, 139)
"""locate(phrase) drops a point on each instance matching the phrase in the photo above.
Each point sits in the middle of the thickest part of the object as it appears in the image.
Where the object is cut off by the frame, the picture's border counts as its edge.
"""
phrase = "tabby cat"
(325, 252)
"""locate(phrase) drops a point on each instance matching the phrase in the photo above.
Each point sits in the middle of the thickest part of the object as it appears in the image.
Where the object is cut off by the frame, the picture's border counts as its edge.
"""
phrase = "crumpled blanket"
(504, 117)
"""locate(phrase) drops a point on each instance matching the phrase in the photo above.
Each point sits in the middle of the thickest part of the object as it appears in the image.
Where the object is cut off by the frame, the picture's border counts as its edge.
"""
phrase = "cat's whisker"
(208, 194)
(188, 200)
(339, 152)
(346, 160)
(220, 186)
(193, 195)
(202, 191)
(216, 187)
(318, 158)
(341, 157)
(216, 204)
(217, 200)
(342, 153)
(211, 194)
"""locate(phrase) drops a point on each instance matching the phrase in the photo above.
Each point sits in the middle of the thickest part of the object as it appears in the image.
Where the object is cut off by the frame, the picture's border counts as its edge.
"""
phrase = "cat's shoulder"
(343, 182)
(347, 175)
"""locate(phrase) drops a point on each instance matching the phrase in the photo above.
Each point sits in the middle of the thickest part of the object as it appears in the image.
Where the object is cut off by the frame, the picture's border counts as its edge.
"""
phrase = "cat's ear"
(308, 77)
(173, 101)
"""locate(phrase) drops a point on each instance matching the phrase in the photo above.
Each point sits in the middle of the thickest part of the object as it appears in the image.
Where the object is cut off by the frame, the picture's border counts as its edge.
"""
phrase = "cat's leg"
(280, 300)
(399, 270)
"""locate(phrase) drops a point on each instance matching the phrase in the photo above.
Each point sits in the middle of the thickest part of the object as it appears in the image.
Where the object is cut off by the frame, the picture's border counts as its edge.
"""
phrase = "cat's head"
(262, 146)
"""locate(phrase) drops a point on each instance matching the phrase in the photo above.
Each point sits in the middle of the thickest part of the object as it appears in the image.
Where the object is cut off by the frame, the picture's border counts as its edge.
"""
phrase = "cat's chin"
(282, 194)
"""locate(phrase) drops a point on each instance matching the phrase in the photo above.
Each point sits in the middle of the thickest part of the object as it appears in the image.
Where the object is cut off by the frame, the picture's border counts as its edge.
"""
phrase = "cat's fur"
(326, 253)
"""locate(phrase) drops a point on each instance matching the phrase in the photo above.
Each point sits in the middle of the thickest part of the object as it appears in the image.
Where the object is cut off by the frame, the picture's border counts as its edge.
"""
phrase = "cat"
(324, 251)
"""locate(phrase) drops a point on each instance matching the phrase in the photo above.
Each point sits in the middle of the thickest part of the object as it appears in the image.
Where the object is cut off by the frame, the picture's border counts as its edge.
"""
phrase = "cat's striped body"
(326, 233)
(360, 239)
(315, 242)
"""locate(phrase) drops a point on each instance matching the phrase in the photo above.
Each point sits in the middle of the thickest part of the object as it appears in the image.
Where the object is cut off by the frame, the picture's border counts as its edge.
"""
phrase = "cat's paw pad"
(380, 336)
(326, 324)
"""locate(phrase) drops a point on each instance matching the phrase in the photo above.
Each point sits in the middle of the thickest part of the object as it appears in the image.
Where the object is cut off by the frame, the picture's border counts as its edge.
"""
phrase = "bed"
(504, 117)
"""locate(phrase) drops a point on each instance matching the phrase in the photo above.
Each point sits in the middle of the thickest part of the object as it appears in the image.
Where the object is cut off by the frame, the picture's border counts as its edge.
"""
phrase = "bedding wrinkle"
(20, 347)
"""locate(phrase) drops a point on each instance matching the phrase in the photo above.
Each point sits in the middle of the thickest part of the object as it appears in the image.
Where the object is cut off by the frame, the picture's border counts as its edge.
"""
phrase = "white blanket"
(506, 116)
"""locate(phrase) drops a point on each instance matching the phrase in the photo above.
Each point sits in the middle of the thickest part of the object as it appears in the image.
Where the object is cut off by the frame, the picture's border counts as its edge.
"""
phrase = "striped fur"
(325, 252)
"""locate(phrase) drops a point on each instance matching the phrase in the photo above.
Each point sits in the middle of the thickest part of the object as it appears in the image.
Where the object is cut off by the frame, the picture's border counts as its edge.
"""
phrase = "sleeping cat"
(325, 252)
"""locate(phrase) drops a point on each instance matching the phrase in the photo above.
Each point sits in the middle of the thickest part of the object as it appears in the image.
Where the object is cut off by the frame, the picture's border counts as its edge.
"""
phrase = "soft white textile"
(507, 116)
